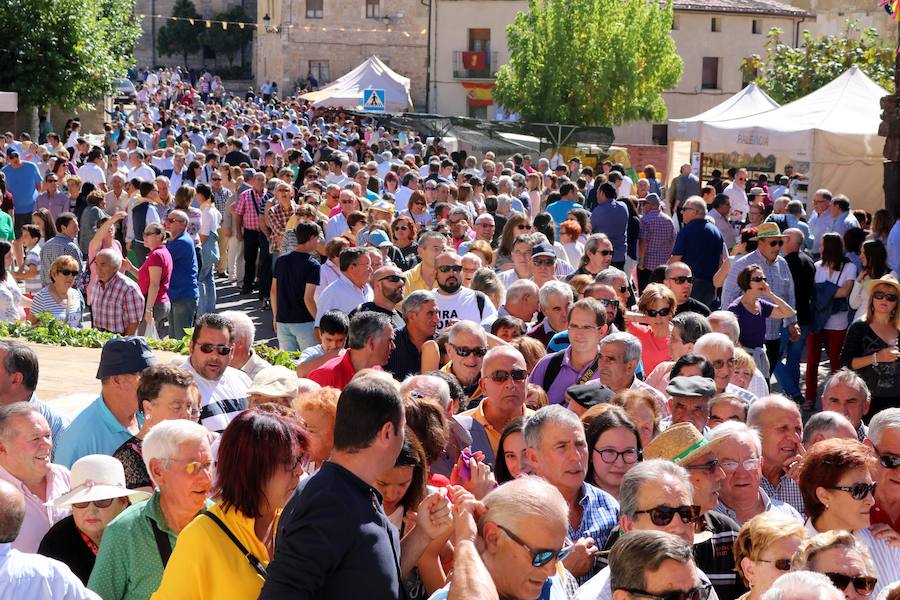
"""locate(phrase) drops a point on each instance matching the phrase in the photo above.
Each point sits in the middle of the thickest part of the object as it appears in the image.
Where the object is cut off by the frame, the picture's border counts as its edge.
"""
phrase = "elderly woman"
(258, 468)
(687, 328)
(60, 298)
(642, 410)
(417, 209)
(97, 495)
(653, 325)
(10, 295)
(615, 446)
(763, 551)
(318, 410)
(839, 556)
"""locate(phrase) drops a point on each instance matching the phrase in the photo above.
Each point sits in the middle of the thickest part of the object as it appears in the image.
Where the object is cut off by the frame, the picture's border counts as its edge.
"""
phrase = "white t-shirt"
(838, 321)
(738, 196)
(210, 219)
(91, 173)
(143, 172)
(463, 306)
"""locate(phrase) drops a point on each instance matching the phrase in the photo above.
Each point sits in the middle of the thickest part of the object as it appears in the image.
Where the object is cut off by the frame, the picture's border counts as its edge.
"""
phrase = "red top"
(337, 372)
(654, 350)
(879, 515)
(158, 257)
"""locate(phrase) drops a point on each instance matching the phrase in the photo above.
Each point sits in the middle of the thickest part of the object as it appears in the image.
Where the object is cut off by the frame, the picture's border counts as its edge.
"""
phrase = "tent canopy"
(347, 91)
(749, 101)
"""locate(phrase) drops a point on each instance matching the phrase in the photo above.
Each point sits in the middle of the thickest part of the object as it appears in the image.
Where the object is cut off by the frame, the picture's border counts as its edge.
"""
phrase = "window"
(319, 70)
(756, 26)
(715, 24)
(660, 134)
(314, 9)
(710, 79)
(373, 9)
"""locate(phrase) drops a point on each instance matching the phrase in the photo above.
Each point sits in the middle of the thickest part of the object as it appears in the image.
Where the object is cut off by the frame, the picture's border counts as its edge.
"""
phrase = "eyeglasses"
(663, 515)
(539, 558)
(449, 268)
(67, 272)
(606, 302)
(603, 252)
(708, 467)
(885, 296)
(857, 491)
(502, 376)
(730, 466)
(623, 289)
(392, 278)
(682, 279)
(861, 583)
(523, 226)
(758, 278)
(217, 179)
(191, 467)
(718, 364)
(463, 351)
(543, 262)
(662, 312)
(98, 503)
(222, 349)
(782, 564)
(171, 220)
(776, 243)
(888, 461)
(610, 455)
(700, 592)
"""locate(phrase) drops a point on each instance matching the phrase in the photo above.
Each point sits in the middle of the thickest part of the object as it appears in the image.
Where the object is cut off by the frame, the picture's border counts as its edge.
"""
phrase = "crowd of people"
(513, 378)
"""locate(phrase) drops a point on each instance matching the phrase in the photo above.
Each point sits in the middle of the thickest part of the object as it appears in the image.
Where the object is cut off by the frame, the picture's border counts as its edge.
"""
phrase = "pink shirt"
(158, 257)
(654, 350)
(39, 518)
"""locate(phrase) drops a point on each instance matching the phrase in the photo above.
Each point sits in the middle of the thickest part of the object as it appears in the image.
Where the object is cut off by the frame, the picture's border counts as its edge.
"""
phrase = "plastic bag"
(150, 333)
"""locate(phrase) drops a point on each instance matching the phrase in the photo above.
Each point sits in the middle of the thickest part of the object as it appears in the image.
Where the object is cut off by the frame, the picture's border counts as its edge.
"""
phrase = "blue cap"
(125, 355)
(378, 238)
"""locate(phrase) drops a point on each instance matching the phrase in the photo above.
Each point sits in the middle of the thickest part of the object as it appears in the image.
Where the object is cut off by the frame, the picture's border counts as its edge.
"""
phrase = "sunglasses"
(171, 220)
(463, 351)
(700, 592)
(502, 376)
(663, 312)
(758, 278)
(682, 279)
(888, 461)
(222, 349)
(603, 252)
(610, 455)
(623, 289)
(401, 228)
(718, 364)
(663, 515)
(98, 503)
(449, 268)
(523, 226)
(857, 491)
(708, 467)
(861, 583)
(191, 467)
(885, 296)
(539, 558)
(543, 262)
(605, 302)
(776, 243)
(67, 272)
(782, 564)
(392, 278)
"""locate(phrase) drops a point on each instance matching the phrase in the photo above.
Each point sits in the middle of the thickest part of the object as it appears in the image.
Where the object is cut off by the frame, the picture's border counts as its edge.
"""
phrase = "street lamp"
(267, 21)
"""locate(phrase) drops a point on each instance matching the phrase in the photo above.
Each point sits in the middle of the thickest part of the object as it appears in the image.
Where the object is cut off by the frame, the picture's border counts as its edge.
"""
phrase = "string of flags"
(275, 29)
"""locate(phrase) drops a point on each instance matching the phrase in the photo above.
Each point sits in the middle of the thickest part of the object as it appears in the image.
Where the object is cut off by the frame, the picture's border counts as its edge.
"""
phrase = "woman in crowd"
(60, 298)
(687, 328)
(404, 235)
(763, 550)
(104, 237)
(486, 280)
(391, 183)
(210, 219)
(10, 295)
(43, 219)
(615, 447)
(511, 451)
(517, 224)
(402, 487)
(153, 278)
(656, 307)
(843, 559)
(429, 422)
(756, 215)
(97, 493)
(184, 196)
(642, 410)
(192, 175)
(533, 187)
(483, 249)
(871, 345)
(318, 410)
(569, 233)
(744, 368)
(584, 219)
(258, 468)
(873, 261)
(882, 223)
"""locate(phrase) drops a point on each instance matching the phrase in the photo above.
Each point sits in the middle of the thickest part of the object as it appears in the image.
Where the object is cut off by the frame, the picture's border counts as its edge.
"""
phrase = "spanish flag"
(479, 94)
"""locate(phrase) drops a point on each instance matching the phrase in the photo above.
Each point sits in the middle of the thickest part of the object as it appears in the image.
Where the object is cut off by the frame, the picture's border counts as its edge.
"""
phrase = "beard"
(451, 286)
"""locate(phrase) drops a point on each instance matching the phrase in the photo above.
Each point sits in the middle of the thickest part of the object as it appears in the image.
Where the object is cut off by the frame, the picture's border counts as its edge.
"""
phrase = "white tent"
(834, 129)
(749, 101)
(347, 91)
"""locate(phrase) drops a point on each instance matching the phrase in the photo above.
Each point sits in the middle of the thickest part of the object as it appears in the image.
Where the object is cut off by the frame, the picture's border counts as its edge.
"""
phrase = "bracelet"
(874, 358)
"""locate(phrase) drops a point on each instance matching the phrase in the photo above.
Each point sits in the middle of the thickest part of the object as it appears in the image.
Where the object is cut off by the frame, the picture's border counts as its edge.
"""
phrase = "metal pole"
(428, 59)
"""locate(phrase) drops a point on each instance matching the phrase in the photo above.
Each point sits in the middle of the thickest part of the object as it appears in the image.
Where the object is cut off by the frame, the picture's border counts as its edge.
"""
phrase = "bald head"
(767, 404)
(12, 512)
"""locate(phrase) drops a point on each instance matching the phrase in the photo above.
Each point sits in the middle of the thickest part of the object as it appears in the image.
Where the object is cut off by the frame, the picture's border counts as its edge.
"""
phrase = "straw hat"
(680, 443)
(97, 477)
(768, 230)
(275, 382)
(885, 280)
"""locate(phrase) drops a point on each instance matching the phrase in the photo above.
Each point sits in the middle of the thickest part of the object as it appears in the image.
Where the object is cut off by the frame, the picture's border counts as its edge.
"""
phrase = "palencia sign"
(753, 139)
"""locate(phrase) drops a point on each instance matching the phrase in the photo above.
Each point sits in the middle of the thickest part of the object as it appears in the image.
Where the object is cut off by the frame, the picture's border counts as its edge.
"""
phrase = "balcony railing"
(474, 65)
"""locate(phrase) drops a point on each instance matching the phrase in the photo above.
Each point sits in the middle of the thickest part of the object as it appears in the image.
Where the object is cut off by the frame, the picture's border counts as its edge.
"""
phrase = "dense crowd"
(514, 378)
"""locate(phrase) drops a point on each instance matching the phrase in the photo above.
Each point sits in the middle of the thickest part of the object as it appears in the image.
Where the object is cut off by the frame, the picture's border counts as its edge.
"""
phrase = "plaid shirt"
(787, 490)
(221, 199)
(277, 219)
(599, 518)
(117, 303)
(250, 206)
(658, 231)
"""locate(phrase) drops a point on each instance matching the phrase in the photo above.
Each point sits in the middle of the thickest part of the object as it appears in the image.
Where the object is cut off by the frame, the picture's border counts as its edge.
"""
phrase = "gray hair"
(631, 344)
(727, 322)
(849, 378)
(466, 327)
(594, 240)
(520, 288)
(691, 326)
(555, 287)
(803, 584)
(242, 324)
(639, 551)
(888, 418)
(459, 211)
(713, 341)
(415, 301)
(553, 414)
(20, 358)
(114, 256)
(504, 202)
(826, 422)
(487, 281)
(649, 471)
(527, 497)
(737, 431)
(364, 325)
(431, 235)
(698, 204)
(766, 403)
(164, 440)
(430, 385)
(610, 274)
(16, 409)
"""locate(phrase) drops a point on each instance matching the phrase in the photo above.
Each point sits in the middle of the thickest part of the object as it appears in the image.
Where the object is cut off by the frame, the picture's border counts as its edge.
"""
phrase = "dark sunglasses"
(623, 289)
(682, 279)
(885, 296)
(401, 228)
(523, 226)
(708, 467)
(603, 252)
(605, 302)
(392, 278)
(449, 268)
(782, 564)
(67, 272)
(516, 374)
(700, 592)
(98, 503)
(543, 262)
(774, 243)
(222, 349)
(539, 558)
(463, 351)
(888, 461)
(759, 278)
(663, 312)
(857, 491)
(663, 515)
(861, 583)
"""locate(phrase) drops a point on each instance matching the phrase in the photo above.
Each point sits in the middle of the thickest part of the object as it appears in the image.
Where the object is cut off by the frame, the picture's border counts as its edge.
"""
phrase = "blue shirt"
(183, 281)
(22, 184)
(94, 431)
(893, 247)
(560, 209)
(699, 244)
(820, 224)
(599, 518)
(611, 218)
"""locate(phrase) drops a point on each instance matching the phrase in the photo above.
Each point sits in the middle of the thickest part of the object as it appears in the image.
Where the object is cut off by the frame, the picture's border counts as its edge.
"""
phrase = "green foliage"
(589, 62)
(181, 37)
(788, 73)
(229, 42)
(65, 52)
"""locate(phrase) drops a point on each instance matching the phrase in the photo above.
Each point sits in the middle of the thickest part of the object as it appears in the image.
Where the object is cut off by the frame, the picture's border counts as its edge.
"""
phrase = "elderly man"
(689, 400)
(543, 263)
(118, 305)
(112, 418)
(424, 275)
(683, 187)
(25, 446)
(737, 193)
(738, 451)
(387, 288)
(484, 230)
(555, 300)
(619, 356)
(557, 451)
(471, 262)
(821, 219)
(19, 379)
(846, 392)
(781, 432)
(467, 345)
(352, 288)
(250, 228)
(826, 425)
(184, 289)
(371, 340)
(504, 381)
(244, 357)
(679, 279)
(522, 300)
(803, 585)
(223, 389)
(720, 211)
(457, 303)
(884, 439)
(656, 239)
(718, 349)
(63, 244)
(699, 245)
(420, 314)
(652, 564)
(137, 544)
(727, 407)
(52, 198)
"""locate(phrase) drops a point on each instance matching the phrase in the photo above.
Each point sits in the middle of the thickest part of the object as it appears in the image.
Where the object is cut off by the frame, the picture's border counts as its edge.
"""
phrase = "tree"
(231, 41)
(589, 62)
(179, 36)
(788, 73)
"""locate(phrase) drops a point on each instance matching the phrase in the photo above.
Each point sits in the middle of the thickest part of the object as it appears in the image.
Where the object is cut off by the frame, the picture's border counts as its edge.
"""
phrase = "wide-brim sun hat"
(275, 382)
(97, 477)
(890, 280)
(767, 231)
(681, 443)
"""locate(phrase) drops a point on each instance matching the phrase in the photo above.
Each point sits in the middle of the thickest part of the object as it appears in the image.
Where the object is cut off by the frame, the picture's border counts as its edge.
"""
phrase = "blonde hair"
(323, 401)
(532, 350)
(63, 262)
(870, 309)
(743, 360)
(805, 557)
(759, 533)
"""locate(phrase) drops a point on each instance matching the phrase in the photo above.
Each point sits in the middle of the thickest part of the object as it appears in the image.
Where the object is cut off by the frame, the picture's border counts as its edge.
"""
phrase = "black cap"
(692, 387)
(125, 355)
(590, 394)
(543, 250)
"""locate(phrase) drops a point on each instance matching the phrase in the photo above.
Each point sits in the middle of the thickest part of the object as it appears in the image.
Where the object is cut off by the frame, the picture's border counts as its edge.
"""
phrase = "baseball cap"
(124, 356)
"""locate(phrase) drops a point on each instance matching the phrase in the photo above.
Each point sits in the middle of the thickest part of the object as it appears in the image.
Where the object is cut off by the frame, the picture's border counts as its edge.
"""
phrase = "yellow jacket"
(205, 563)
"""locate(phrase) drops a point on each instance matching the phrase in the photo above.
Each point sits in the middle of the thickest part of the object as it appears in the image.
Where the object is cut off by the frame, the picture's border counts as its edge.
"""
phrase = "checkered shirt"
(250, 206)
(117, 303)
(599, 518)
(658, 231)
(221, 199)
(277, 219)
(787, 490)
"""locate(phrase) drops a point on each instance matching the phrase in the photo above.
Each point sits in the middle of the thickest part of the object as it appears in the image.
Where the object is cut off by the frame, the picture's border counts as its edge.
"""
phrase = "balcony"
(474, 65)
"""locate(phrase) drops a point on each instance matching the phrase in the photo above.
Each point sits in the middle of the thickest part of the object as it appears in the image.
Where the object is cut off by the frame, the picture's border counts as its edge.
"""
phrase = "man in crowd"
(619, 356)
(24, 182)
(727, 407)
(387, 288)
(555, 301)
(118, 305)
(52, 198)
(250, 228)
(610, 216)
(656, 239)
(700, 246)
(63, 244)
(223, 389)
(424, 275)
(821, 221)
(484, 230)
(420, 315)
(333, 330)
(543, 263)
(720, 211)
(683, 187)
(652, 563)
(689, 400)
(467, 345)
(352, 288)
(184, 290)
(884, 439)
(826, 425)
(718, 349)
(780, 429)
(845, 392)
(737, 193)
(457, 303)
(522, 300)
(843, 218)
(148, 210)
(679, 279)
(113, 418)
(294, 281)
(19, 379)
(371, 340)
(244, 356)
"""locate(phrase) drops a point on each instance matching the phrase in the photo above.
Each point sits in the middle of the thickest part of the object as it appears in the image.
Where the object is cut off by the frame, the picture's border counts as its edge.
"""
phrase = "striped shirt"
(53, 249)
(221, 400)
(886, 559)
(221, 199)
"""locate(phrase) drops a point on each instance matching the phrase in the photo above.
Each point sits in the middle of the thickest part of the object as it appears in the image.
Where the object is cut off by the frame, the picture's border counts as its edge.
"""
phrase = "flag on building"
(479, 94)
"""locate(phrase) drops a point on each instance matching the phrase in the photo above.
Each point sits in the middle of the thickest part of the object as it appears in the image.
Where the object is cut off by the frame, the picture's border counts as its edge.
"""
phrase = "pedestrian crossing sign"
(373, 100)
